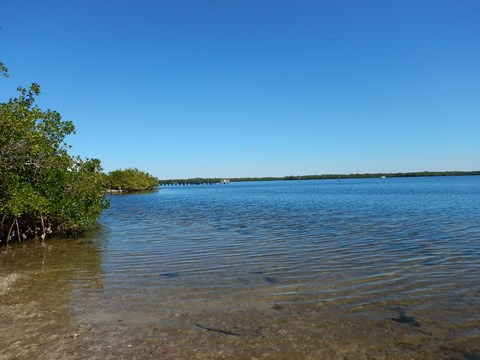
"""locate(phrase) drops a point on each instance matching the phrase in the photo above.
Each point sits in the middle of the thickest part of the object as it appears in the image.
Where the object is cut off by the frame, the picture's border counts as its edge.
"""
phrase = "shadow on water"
(469, 356)
(56, 260)
(403, 318)
(170, 275)
(271, 280)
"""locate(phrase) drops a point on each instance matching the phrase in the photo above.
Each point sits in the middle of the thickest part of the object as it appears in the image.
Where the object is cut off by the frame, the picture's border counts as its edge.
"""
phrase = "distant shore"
(199, 181)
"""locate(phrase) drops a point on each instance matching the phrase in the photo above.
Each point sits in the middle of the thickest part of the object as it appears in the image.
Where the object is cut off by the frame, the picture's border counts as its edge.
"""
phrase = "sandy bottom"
(42, 325)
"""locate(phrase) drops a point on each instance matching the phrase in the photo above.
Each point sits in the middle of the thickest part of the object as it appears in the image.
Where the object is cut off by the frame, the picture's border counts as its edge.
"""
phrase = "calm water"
(385, 267)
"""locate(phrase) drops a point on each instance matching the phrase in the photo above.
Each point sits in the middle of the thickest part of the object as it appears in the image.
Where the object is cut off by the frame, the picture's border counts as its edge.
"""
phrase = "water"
(327, 269)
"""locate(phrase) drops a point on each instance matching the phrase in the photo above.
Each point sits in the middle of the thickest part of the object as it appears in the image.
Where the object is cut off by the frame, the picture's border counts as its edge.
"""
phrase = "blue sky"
(224, 88)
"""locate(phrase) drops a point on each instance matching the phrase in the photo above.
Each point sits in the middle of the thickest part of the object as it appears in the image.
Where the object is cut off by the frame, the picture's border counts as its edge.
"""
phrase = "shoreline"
(198, 181)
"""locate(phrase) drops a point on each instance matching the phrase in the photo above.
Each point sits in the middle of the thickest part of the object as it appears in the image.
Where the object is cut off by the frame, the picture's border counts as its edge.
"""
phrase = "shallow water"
(367, 268)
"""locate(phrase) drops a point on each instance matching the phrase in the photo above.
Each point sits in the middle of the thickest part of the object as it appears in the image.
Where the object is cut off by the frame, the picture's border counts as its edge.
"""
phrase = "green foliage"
(130, 180)
(42, 188)
(3, 70)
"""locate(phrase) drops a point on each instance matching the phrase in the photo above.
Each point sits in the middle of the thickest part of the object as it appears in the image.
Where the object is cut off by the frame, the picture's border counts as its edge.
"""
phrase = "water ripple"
(348, 244)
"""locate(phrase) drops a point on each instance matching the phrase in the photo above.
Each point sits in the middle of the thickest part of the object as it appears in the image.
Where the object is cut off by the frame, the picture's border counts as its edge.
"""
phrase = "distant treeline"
(198, 181)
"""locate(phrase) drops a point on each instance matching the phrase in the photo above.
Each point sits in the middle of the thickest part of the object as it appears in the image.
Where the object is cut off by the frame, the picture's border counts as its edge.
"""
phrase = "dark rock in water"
(170, 275)
(277, 307)
(471, 356)
(270, 280)
(403, 318)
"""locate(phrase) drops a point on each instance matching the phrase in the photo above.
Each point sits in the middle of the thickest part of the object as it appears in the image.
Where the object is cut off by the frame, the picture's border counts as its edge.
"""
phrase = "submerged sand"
(55, 304)
(42, 325)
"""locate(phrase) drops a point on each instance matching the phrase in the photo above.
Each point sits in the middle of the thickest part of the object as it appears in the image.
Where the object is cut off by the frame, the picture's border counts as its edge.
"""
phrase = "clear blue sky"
(225, 88)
